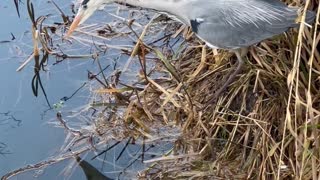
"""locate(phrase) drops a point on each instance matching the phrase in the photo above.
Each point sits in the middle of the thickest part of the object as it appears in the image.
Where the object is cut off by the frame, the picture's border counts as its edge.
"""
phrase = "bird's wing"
(231, 24)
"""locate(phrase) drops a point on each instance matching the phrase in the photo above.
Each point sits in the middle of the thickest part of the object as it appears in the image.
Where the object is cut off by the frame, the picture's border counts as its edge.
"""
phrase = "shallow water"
(25, 134)
(27, 128)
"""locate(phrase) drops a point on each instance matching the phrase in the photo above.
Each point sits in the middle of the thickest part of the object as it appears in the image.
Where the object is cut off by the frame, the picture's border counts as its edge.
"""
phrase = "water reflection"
(25, 136)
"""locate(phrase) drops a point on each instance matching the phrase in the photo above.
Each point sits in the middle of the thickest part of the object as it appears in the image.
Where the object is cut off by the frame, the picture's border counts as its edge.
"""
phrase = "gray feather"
(232, 24)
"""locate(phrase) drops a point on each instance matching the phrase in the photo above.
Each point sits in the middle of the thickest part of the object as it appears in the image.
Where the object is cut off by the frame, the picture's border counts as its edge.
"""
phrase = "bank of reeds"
(264, 126)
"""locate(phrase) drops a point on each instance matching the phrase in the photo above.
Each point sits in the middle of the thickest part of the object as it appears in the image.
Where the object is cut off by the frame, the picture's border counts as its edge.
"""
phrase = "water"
(25, 135)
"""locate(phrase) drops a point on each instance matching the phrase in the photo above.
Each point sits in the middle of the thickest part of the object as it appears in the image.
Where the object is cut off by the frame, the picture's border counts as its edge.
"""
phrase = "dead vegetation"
(265, 126)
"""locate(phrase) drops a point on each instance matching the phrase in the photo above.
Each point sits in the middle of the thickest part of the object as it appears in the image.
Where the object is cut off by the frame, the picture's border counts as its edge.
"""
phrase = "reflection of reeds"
(36, 37)
(16, 3)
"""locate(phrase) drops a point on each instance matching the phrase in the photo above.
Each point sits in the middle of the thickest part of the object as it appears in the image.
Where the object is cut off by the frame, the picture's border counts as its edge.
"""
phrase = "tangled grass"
(265, 126)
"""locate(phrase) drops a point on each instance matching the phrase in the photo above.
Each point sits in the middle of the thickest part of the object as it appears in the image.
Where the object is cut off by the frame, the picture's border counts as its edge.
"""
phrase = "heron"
(232, 25)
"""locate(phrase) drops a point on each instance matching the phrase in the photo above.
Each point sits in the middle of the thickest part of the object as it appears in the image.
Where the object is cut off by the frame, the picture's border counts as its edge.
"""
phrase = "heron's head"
(86, 9)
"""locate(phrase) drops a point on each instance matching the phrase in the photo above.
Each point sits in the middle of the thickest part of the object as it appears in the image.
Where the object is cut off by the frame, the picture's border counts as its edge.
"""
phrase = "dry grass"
(265, 126)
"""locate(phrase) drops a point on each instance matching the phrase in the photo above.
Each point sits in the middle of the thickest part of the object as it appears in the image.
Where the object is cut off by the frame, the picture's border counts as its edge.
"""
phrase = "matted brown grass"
(265, 126)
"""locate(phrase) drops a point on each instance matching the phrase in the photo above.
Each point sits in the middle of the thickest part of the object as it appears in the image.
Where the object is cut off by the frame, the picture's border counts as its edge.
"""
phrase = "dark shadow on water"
(90, 171)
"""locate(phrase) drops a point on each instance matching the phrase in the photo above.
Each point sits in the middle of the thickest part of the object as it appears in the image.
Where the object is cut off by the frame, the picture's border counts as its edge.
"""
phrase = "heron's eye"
(84, 6)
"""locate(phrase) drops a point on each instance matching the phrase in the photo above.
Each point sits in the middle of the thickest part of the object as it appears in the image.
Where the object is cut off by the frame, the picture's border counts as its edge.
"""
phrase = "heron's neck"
(169, 6)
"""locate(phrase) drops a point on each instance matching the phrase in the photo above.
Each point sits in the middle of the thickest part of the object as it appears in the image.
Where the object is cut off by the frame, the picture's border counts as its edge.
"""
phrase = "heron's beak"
(74, 25)
(82, 15)
(86, 9)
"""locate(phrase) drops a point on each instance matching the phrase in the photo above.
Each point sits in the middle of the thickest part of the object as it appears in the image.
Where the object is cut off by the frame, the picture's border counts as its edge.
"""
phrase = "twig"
(65, 125)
